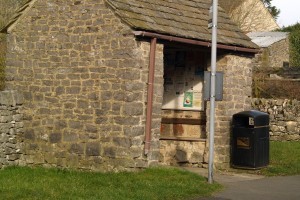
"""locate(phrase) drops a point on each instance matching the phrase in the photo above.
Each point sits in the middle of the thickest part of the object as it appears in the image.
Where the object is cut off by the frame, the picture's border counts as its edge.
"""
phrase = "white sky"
(289, 11)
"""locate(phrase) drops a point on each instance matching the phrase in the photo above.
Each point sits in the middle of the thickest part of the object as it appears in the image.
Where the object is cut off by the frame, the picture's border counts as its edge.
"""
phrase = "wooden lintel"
(183, 121)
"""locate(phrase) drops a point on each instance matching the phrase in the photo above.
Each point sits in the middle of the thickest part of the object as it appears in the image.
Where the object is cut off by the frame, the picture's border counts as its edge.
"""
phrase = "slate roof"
(182, 18)
(266, 39)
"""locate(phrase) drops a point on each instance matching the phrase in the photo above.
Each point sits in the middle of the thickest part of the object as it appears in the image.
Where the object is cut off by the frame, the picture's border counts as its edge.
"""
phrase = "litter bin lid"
(251, 118)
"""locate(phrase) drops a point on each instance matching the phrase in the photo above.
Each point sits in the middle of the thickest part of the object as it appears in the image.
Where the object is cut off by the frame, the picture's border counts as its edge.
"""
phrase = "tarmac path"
(254, 187)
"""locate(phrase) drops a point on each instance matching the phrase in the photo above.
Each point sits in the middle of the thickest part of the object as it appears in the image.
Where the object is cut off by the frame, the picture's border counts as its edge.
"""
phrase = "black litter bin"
(250, 140)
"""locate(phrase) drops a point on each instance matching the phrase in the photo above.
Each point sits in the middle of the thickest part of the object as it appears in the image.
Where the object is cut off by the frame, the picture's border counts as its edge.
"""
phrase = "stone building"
(250, 15)
(117, 84)
(274, 49)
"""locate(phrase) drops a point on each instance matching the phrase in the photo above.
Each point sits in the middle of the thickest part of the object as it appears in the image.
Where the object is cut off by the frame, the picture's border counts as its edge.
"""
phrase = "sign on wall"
(183, 82)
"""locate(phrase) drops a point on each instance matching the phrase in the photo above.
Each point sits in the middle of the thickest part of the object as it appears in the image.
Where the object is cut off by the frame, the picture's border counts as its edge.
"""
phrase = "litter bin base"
(248, 168)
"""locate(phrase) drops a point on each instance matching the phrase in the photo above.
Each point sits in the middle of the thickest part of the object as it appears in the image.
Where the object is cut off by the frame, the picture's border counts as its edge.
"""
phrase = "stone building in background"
(249, 15)
(255, 20)
(274, 49)
(118, 84)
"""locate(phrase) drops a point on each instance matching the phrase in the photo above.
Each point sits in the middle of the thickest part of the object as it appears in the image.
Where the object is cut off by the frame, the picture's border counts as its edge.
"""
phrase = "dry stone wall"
(284, 117)
(11, 126)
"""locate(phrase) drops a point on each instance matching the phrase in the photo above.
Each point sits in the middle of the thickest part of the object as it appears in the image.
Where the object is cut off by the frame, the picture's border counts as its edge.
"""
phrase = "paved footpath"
(253, 187)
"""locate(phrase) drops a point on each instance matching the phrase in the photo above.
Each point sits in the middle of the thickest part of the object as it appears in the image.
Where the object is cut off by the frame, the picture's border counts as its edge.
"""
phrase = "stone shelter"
(274, 51)
(118, 84)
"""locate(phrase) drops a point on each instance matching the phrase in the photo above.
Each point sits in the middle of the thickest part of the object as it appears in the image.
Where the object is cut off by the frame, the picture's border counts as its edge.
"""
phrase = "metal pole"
(212, 90)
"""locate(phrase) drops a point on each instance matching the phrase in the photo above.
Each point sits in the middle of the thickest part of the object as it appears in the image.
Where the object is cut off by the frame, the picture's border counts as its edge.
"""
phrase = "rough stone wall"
(262, 59)
(252, 16)
(11, 127)
(273, 56)
(236, 98)
(84, 78)
(284, 117)
(186, 153)
(279, 53)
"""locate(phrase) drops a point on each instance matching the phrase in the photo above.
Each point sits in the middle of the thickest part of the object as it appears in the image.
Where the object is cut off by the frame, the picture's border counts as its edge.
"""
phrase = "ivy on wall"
(295, 48)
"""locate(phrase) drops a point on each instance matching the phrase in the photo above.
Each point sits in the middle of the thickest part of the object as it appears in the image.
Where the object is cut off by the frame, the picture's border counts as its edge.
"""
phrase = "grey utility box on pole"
(218, 85)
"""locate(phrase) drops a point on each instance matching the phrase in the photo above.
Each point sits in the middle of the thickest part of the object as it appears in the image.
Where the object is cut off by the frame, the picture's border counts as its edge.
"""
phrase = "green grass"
(153, 183)
(284, 159)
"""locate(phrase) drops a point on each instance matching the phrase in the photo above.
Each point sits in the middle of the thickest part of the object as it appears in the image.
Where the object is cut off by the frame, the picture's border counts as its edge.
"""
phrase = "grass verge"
(153, 183)
(284, 159)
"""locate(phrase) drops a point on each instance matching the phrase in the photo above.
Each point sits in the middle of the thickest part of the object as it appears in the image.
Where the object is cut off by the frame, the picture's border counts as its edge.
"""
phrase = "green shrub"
(264, 87)
(295, 48)
(294, 38)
